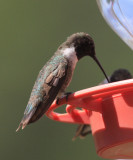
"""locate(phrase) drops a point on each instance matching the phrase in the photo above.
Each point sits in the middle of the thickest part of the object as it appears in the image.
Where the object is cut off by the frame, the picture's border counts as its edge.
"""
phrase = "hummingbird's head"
(120, 74)
(83, 44)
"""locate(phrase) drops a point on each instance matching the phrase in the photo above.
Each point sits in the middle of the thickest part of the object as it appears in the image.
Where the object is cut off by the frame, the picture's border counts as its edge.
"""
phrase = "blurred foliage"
(30, 32)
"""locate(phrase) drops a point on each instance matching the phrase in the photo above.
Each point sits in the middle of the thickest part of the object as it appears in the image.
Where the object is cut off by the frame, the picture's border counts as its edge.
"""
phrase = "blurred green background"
(30, 32)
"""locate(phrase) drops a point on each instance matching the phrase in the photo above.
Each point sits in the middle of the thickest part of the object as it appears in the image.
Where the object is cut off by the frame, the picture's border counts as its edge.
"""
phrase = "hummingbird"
(118, 75)
(56, 75)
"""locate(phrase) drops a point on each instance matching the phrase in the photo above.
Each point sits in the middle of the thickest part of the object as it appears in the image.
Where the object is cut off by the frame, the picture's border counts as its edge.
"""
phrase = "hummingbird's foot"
(57, 101)
(67, 94)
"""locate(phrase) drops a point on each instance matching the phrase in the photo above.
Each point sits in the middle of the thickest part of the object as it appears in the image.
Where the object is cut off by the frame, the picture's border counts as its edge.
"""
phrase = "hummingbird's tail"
(25, 120)
(82, 131)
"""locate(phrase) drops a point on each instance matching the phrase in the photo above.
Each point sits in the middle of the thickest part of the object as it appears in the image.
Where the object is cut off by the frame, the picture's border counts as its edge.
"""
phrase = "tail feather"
(25, 120)
(82, 131)
(78, 131)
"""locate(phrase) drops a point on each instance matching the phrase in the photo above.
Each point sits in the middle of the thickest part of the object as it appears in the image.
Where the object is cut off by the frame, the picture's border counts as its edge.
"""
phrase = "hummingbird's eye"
(91, 44)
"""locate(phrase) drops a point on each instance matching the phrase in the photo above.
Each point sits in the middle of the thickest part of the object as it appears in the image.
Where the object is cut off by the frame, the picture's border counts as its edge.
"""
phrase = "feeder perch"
(108, 108)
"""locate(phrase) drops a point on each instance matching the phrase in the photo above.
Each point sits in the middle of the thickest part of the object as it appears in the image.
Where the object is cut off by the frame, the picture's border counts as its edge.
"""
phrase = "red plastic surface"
(87, 99)
(108, 109)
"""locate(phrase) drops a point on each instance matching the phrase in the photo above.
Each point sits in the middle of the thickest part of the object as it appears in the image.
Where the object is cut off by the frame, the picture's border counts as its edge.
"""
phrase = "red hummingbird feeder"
(108, 108)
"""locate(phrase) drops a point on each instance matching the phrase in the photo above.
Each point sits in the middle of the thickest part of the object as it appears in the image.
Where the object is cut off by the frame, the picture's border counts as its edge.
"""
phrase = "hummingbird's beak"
(96, 60)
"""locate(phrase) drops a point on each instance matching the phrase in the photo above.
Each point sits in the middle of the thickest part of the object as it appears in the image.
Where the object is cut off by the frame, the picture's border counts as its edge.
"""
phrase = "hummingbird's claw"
(57, 101)
(67, 94)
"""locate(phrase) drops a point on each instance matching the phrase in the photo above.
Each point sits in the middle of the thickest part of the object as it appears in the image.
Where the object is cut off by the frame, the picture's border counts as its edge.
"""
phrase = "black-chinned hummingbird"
(56, 75)
(118, 75)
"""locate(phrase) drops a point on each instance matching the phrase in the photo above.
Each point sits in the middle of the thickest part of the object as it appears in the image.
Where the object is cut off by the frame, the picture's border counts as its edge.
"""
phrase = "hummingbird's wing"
(117, 75)
(82, 131)
(45, 90)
